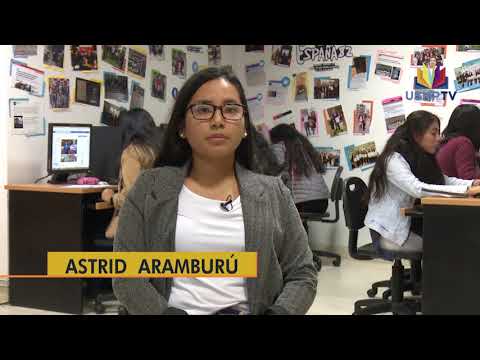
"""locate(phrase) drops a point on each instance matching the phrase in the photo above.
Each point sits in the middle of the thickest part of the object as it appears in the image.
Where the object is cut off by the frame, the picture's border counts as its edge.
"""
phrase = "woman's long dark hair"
(177, 151)
(423, 165)
(464, 121)
(265, 161)
(137, 127)
(300, 157)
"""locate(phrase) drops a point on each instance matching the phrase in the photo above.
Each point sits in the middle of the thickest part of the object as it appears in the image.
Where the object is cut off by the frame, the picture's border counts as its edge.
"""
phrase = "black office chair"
(336, 193)
(355, 210)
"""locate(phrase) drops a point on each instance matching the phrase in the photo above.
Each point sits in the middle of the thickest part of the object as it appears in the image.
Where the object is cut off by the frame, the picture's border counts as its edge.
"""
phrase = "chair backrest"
(336, 192)
(354, 208)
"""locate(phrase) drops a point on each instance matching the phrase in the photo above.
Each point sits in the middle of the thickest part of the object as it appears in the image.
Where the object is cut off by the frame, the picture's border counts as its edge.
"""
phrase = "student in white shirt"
(405, 171)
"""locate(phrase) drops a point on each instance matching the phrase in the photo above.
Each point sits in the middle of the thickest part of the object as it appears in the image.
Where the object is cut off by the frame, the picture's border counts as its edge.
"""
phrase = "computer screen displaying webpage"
(70, 147)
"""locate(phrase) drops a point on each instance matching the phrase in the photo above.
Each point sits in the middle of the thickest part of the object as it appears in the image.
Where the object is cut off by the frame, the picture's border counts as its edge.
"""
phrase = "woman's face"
(215, 138)
(430, 141)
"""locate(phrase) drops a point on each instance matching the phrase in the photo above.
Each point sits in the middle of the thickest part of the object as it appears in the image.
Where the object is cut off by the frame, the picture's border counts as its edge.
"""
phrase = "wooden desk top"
(66, 189)
(451, 201)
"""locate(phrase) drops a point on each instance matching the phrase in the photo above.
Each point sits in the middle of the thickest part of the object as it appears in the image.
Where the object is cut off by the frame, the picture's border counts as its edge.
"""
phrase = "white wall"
(336, 235)
(24, 159)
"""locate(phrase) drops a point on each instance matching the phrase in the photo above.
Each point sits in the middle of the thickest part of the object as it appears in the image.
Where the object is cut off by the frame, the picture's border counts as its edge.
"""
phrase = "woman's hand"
(473, 190)
(107, 195)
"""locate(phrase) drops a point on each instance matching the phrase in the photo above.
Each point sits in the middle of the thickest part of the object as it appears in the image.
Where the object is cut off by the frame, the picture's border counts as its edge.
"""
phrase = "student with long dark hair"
(461, 143)
(204, 196)
(139, 153)
(405, 171)
(302, 167)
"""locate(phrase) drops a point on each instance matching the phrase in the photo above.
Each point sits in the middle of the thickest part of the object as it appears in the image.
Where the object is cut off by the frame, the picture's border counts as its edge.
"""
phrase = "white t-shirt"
(202, 225)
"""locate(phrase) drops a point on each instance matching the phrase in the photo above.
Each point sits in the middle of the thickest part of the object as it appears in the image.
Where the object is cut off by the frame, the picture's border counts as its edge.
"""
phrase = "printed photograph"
(87, 92)
(429, 55)
(22, 51)
(329, 156)
(300, 86)
(157, 52)
(114, 55)
(59, 93)
(53, 55)
(137, 97)
(362, 118)
(159, 84)
(325, 88)
(282, 55)
(18, 122)
(137, 62)
(179, 63)
(116, 87)
(84, 57)
(335, 122)
(308, 122)
(214, 55)
(467, 76)
(362, 156)
(254, 48)
(111, 114)
(255, 74)
(471, 48)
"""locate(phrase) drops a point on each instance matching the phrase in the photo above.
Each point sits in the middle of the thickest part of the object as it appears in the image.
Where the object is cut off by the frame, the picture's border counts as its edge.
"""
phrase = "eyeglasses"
(232, 112)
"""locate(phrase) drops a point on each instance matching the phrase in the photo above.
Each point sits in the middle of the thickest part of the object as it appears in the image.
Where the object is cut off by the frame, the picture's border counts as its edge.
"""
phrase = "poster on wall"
(282, 55)
(359, 72)
(276, 93)
(59, 93)
(335, 123)
(159, 85)
(329, 156)
(26, 78)
(362, 156)
(23, 51)
(429, 55)
(116, 86)
(138, 96)
(214, 55)
(468, 48)
(255, 48)
(470, 101)
(326, 88)
(137, 62)
(157, 52)
(362, 117)
(87, 91)
(301, 87)
(84, 57)
(308, 122)
(467, 76)
(255, 74)
(389, 65)
(53, 56)
(394, 113)
(255, 108)
(115, 56)
(26, 117)
(111, 113)
(179, 63)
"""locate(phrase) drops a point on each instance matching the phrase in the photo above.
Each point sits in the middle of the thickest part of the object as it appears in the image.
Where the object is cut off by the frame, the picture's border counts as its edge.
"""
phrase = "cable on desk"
(36, 181)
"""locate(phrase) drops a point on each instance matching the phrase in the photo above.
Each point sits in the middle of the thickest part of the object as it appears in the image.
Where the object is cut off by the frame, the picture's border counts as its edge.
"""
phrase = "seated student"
(407, 170)
(206, 159)
(139, 153)
(461, 143)
(302, 167)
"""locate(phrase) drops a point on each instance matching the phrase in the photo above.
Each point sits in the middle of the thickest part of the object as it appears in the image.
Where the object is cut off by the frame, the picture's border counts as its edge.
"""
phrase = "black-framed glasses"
(232, 112)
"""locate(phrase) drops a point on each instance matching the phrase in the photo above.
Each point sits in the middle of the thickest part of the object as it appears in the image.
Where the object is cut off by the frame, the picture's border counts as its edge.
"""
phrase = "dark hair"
(423, 165)
(300, 157)
(137, 127)
(177, 151)
(265, 161)
(464, 121)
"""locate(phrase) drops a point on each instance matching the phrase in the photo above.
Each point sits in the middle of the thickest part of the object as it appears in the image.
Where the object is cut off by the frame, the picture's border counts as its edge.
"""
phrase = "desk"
(451, 256)
(45, 218)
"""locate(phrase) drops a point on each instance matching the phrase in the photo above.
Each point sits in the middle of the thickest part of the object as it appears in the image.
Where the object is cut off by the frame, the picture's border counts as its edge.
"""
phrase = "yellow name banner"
(152, 264)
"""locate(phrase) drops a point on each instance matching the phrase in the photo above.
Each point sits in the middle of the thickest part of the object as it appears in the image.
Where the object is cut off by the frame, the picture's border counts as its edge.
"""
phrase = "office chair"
(336, 193)
(355, 210)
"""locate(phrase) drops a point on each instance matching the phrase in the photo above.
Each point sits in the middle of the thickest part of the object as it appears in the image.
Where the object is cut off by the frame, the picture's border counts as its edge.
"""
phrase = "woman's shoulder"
(460, 140)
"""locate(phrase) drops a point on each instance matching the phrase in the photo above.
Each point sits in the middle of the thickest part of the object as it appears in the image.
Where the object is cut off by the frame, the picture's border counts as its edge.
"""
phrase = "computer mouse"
(102, 183)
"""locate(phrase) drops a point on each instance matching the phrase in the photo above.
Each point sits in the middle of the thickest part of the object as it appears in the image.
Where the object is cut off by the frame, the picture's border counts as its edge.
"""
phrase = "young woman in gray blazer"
(181, 205)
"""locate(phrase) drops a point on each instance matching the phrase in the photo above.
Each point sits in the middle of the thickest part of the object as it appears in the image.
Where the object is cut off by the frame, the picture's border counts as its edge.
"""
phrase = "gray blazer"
(287, 278)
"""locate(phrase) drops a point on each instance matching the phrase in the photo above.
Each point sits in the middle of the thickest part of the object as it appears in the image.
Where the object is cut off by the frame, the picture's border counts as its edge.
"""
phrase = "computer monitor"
(106, 153)
(69, 150)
